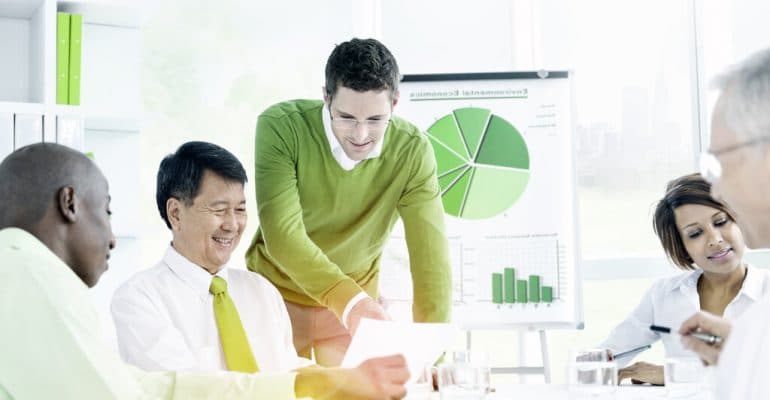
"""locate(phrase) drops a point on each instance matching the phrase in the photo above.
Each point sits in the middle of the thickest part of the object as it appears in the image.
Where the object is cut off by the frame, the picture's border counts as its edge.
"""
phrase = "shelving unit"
(109, 117)
(24, 31)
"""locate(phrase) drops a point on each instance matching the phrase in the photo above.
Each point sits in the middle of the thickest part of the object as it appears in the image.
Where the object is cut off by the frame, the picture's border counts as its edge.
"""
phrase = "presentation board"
(503, 144)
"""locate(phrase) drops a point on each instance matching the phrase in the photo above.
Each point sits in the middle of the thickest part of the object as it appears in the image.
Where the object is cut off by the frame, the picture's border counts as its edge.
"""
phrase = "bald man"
(55, 241)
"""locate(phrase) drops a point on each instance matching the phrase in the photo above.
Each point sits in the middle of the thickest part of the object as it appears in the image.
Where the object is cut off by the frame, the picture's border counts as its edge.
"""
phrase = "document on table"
(420, 343)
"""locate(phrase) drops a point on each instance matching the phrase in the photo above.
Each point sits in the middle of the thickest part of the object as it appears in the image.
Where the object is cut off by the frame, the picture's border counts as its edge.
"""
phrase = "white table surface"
(548, 392)
(542, 391)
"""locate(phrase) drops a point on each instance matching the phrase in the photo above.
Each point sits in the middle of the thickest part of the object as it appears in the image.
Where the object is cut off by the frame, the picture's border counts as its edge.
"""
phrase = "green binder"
(62, 57)
(76, 35)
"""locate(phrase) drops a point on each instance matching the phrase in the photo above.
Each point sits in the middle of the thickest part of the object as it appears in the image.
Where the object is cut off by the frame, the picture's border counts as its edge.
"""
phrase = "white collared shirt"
(669, 302)
(337, 151)
(745, 359)
(164, 318)
(347, 164)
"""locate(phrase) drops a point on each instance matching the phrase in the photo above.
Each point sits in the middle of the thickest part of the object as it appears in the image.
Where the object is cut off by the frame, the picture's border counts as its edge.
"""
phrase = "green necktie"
(234, 343)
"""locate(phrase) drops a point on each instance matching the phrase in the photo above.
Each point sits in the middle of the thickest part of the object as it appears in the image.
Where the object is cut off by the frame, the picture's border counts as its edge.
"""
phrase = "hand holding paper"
(420, 343)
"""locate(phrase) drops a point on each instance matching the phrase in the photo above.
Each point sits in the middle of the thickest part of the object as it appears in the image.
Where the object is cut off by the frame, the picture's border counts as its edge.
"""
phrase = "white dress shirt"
(51, 346)
(164, 318)
(672, 300)
(743, 366)
(347, 164)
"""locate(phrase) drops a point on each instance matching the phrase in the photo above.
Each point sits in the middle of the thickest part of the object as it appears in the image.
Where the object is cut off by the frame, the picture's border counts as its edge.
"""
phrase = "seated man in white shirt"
(164, 316)
(55, 240)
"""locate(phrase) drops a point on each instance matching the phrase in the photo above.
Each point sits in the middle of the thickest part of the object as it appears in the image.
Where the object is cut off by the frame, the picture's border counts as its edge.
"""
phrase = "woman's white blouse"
(669, 302)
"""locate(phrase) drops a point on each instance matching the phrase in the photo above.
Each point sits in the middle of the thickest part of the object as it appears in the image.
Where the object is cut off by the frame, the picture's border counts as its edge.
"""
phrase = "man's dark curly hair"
(361, 65)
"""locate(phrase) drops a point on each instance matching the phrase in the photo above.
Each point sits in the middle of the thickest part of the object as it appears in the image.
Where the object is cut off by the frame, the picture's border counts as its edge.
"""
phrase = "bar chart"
(494, 270)
(496, 280)
(514, 270)
(506, 289)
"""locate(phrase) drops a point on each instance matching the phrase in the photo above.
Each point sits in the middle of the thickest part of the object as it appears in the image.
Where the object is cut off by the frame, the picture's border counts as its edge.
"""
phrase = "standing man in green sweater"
(332, 178)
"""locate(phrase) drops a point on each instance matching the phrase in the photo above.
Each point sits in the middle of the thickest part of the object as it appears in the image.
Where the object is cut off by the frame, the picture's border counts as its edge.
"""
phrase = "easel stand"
(544, 370)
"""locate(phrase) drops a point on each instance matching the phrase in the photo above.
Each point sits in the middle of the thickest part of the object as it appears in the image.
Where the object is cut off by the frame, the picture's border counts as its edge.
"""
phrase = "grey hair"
(746, 91)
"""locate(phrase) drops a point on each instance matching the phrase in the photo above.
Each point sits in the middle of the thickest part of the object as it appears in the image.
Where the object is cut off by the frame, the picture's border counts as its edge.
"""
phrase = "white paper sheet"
(420, 343)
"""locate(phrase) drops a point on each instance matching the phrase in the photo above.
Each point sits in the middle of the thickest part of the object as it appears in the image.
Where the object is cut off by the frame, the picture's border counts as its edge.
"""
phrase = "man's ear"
(395, 97)
(173, 211)
(327, 99)
(67, 204)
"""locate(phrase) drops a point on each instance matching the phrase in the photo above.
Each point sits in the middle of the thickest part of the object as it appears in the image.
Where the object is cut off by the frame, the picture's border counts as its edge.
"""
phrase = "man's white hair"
(746, 91)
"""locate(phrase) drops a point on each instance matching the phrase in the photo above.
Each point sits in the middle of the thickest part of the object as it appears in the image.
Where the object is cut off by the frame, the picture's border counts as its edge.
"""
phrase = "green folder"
(62, 57)
(76, 35)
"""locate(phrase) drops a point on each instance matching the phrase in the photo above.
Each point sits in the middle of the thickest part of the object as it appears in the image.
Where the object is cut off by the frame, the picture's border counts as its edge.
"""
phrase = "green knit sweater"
(322, 228)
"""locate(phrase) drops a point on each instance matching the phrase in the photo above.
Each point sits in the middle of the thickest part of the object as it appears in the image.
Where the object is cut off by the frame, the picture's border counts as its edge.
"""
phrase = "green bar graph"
(510, 285)
(497, 288)
(547, 294)
(534, 288)
(521, 291)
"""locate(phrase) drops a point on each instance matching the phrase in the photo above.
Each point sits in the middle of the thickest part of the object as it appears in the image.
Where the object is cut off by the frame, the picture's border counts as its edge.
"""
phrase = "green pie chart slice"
(445, 180)
(454, 196)
(445, 159)
(471, 122)
(503, 146)
(445, 130)
(492, 191)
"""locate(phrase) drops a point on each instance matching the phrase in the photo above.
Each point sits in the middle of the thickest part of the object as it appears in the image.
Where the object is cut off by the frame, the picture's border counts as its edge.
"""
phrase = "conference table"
(548, 392)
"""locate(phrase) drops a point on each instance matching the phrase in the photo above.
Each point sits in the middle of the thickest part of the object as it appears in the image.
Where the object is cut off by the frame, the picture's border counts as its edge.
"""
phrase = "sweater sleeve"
(422, 213)
(280, 218)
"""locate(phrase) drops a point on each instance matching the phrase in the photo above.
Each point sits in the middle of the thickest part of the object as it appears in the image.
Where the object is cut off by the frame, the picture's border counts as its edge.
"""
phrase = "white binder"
(28, 129)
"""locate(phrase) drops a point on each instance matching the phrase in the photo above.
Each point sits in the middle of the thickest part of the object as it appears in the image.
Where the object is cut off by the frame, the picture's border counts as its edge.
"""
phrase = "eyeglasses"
(349, 124)
(711, 168)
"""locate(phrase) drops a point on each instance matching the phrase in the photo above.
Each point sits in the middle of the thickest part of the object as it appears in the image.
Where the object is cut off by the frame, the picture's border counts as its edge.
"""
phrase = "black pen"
(706, 337)
(630, 352)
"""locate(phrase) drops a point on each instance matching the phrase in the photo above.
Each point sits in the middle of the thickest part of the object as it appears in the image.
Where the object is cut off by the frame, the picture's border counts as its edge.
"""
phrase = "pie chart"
(482, 161)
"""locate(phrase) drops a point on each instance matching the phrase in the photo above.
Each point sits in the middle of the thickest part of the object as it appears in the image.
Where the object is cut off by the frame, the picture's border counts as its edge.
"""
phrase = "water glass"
(684, 377)
(590, 372)
(422, 386)
(465, 376)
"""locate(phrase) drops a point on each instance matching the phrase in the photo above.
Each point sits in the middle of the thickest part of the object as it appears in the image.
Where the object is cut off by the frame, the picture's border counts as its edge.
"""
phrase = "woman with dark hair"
(700, 236)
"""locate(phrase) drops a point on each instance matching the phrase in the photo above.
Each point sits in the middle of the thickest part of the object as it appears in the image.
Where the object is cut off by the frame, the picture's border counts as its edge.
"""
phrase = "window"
(633, 90)
(209, 68)
(729, 32)
(634, 113)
